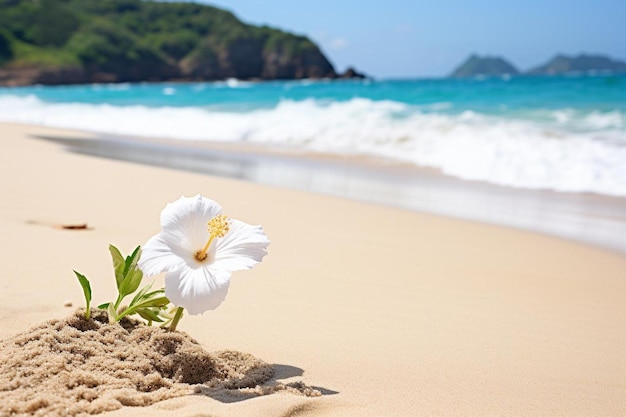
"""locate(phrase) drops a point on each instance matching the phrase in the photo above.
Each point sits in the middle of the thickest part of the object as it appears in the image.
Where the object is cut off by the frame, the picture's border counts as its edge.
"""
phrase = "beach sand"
(386, 312)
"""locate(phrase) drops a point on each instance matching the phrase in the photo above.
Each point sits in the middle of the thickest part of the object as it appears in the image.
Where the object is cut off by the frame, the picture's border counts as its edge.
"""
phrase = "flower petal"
(157, 256)
(189, 216)
(243, 247)
(197, 290)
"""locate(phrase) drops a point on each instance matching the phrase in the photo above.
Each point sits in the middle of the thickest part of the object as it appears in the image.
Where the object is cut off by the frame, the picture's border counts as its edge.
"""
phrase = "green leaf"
(130, 283)
(156, 304)
(131, 261)
(112, 314)
(153, 302)
(118, 264)
(104, 306)
(152, 295)
(84, 282)
(150, 314)
(141, 293)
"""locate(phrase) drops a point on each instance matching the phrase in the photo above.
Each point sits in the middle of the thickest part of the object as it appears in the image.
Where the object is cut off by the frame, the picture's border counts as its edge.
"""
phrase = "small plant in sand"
(198, 248)
(150, 305)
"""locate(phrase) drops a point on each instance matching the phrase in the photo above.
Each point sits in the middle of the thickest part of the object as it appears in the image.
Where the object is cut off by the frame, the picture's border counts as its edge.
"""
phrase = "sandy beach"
(388, 312)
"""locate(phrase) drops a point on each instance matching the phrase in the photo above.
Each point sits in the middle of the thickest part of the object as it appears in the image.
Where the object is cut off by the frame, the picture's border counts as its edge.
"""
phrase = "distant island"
(489, 66)
(483, 66)
(90, 41)
(562, 64)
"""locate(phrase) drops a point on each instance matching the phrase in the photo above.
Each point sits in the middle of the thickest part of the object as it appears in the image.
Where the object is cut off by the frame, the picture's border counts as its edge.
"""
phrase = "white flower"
(198, 249)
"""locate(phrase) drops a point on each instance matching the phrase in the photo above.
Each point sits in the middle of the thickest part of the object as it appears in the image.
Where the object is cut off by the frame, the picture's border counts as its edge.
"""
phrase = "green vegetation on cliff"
(134, 40)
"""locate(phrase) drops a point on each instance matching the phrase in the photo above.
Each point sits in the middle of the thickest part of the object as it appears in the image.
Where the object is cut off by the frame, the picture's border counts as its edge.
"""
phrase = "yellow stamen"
(218, 227)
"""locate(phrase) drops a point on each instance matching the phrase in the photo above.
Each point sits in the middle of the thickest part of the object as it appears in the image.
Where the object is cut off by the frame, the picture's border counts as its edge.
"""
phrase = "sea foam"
(563, 149)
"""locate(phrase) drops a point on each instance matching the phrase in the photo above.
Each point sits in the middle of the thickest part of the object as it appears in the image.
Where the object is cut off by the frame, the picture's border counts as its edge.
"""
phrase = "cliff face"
(483, 66)
(562, 64)
(309, 64)
(248, 59)
(84, 41)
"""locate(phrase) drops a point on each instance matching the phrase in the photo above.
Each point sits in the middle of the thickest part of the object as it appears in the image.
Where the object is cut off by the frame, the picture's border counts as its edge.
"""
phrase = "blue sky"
(402, 38)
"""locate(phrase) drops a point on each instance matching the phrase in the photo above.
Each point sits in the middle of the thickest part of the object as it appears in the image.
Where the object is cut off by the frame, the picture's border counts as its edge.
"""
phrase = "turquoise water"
(566, 133)
(491, 96)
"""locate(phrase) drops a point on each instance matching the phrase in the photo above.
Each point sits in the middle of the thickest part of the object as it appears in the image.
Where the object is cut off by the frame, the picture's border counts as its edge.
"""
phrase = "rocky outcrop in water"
(563, 64)
(475, 66)
(487, 66)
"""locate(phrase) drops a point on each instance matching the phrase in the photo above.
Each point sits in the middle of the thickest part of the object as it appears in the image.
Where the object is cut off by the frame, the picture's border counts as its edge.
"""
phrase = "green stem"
(177, 316)
(124, 314)
(117, 303)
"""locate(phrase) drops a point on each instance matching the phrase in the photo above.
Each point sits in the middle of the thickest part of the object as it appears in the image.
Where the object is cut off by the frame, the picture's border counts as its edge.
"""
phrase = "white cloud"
(339, 43)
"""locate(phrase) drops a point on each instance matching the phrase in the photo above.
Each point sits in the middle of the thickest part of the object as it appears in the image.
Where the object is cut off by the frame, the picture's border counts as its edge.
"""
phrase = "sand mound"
(77, 366)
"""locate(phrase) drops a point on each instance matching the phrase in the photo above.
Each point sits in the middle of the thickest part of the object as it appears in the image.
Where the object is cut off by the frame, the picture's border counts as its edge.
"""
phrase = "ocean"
(563, 133)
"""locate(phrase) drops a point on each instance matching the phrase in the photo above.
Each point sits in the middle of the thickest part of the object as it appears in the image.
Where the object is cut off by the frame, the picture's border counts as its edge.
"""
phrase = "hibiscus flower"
(198, 249)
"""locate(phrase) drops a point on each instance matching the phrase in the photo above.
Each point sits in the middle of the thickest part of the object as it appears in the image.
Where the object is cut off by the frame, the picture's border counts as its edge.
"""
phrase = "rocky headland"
(91, 41)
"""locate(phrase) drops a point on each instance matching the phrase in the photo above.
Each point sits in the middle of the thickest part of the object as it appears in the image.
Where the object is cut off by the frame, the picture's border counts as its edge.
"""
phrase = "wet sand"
(585, 217)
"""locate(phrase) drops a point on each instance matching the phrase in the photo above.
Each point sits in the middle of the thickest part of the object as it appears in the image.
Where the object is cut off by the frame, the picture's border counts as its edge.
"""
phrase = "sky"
(404, 38)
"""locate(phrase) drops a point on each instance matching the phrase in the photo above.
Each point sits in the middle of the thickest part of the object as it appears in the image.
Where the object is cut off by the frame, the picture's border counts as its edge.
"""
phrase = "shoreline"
(595, 219)
(386, 311)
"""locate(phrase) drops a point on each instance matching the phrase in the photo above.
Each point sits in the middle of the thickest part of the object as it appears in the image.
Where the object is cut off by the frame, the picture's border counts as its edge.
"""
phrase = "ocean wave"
(563, 150)
(589, 121)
